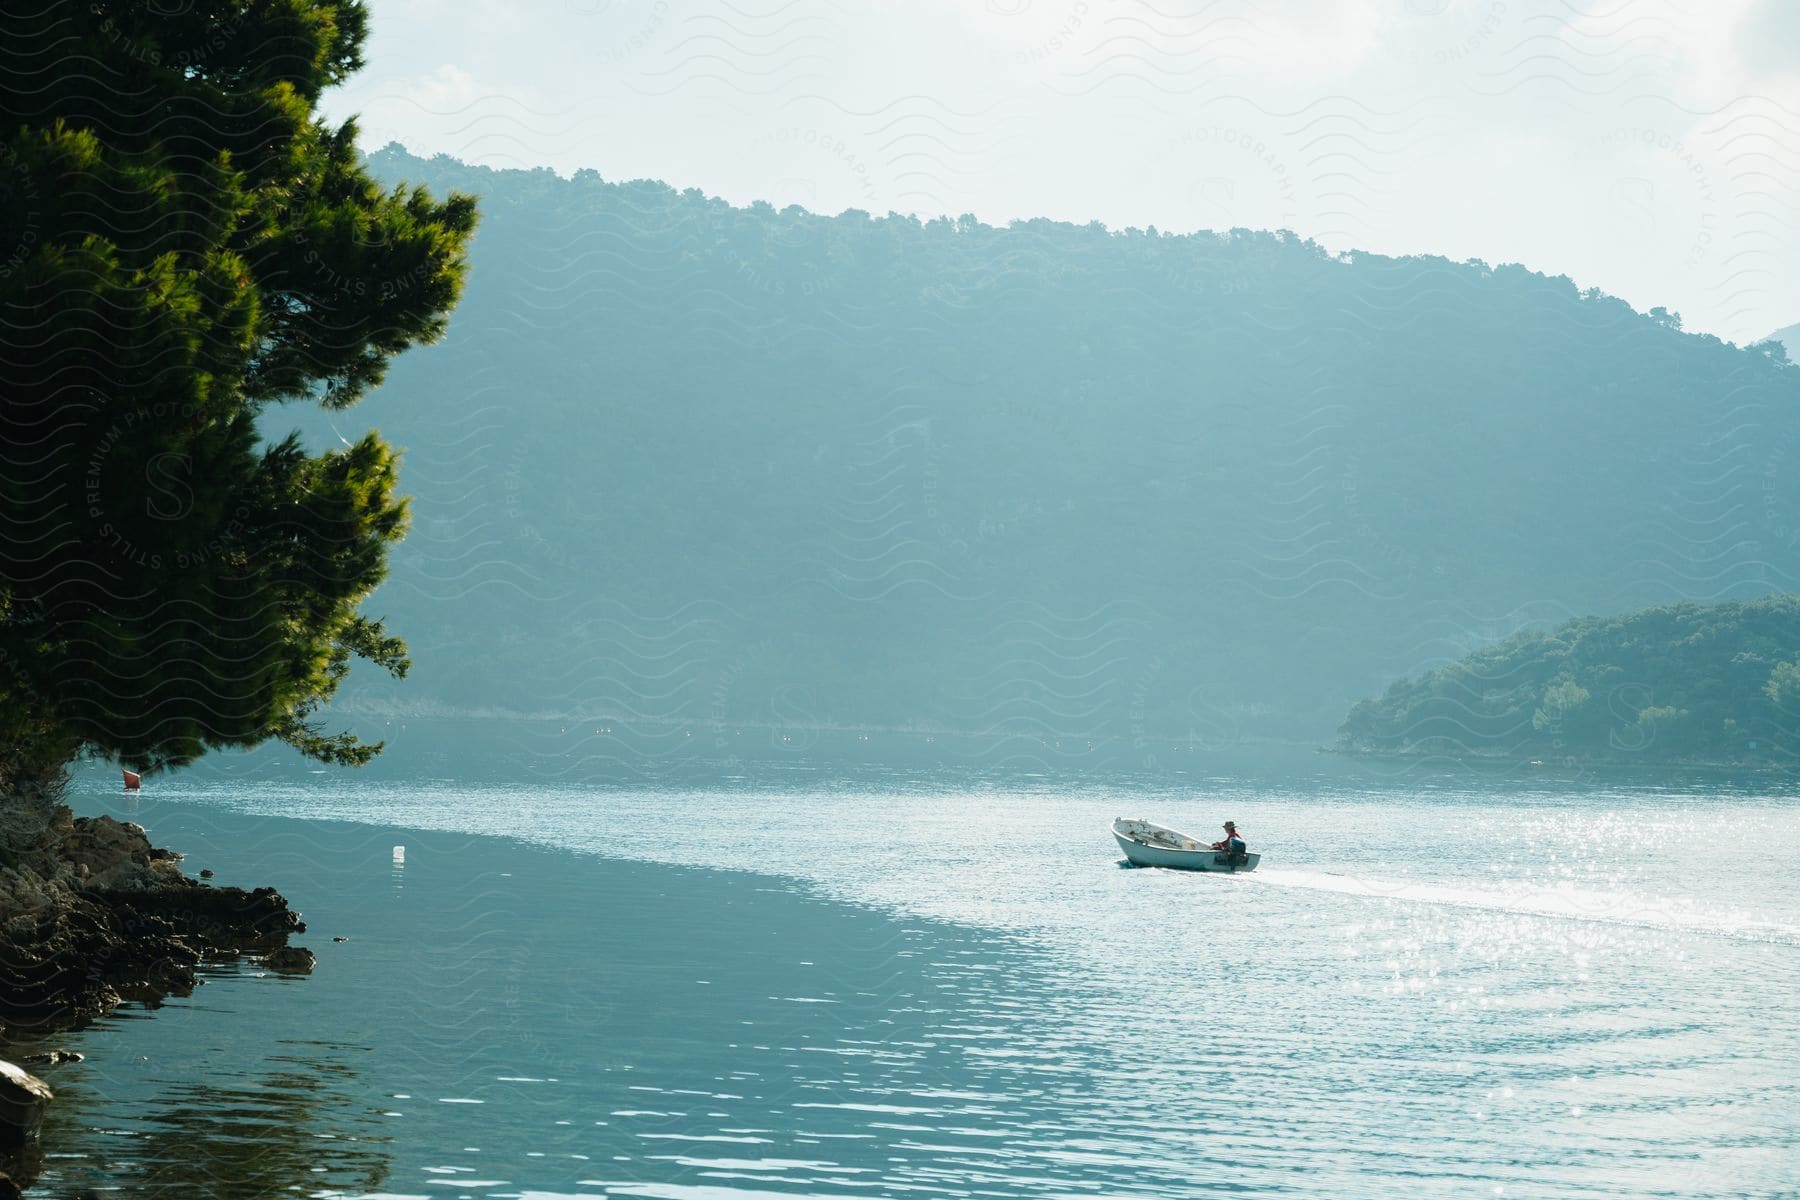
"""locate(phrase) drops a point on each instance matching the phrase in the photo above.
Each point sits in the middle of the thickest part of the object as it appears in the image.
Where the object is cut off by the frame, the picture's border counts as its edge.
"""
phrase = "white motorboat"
(1149, 845)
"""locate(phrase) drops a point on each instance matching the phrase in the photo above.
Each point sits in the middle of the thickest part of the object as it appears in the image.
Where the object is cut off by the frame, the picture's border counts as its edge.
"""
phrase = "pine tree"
(184, 244)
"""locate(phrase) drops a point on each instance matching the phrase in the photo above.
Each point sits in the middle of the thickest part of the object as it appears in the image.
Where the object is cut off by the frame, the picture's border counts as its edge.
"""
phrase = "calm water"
(887, 988)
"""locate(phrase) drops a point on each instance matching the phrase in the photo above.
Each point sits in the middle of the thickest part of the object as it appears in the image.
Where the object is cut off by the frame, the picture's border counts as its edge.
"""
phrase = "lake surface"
(883, 986)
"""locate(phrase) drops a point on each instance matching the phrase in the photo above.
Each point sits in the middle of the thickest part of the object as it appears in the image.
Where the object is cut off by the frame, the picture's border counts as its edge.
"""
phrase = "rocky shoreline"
(92, 915)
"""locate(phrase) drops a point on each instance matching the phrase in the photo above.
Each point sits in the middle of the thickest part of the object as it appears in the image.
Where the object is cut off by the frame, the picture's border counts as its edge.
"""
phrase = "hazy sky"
(1647, 147)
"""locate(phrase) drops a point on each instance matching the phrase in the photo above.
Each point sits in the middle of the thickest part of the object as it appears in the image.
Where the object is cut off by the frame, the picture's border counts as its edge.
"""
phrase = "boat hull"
(1177, 856)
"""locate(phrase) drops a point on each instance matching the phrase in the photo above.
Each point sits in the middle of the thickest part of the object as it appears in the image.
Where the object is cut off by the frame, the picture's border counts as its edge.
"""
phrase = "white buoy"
(399, 856)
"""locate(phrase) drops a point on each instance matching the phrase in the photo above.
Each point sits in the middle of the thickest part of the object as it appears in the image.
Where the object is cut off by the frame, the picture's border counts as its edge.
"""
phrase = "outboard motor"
(1235, 855)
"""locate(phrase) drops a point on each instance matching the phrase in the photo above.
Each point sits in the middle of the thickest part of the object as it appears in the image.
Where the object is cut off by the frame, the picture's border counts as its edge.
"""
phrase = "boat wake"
(1559, 901)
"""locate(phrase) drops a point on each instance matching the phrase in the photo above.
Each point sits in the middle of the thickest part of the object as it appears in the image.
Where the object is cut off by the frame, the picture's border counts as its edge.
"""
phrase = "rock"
(8, 1189)
(73, 961)
(52, 1058)
(23, 1098)
(113, 854)
(291, 960)
(92, 913)
(21, 1163)
(103, 843)
(206, 874)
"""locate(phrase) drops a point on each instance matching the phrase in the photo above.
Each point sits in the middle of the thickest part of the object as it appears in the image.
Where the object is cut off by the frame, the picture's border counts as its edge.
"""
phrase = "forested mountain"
(1789, 338)
(681, 465)
(1714, 683)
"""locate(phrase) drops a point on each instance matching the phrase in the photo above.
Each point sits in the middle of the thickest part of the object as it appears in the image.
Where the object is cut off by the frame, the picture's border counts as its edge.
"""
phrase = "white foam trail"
(1561, 901)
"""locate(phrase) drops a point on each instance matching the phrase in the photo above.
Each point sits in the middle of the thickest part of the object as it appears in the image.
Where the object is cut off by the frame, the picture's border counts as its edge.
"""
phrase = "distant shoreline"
(1517, 762)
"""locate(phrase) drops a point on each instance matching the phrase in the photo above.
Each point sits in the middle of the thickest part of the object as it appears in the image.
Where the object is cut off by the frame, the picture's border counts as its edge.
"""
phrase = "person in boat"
(1231, 836)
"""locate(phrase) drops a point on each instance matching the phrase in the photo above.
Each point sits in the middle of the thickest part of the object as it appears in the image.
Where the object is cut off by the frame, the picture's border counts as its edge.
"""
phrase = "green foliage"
(190, 246)
(1683, 681)
(1561, 701)
(1783, 688)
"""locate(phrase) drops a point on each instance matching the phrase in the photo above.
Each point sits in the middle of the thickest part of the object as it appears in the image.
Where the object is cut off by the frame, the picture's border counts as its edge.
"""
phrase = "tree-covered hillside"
(682, 465)
(1714, 683)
